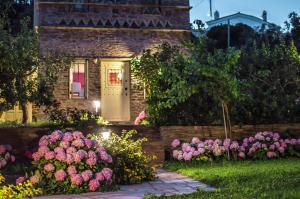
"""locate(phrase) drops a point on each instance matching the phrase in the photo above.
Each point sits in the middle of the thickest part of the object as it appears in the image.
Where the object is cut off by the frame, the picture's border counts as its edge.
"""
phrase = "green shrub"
(131, 163)
(72, 116)
(19, 191)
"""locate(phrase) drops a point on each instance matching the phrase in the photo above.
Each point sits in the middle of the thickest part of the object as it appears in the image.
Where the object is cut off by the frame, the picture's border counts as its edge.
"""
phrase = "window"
(115, 77)
(78, 80)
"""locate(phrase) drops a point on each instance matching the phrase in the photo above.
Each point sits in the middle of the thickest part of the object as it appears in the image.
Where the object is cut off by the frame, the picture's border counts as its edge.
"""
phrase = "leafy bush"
(264, 145)
(72, 116)
(70, 163)
(19, 191)
(131, 163)
(5, 155)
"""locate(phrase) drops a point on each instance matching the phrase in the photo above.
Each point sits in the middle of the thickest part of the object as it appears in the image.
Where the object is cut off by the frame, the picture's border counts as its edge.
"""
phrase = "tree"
(294, 26)
(27, 75)
(271, 78)
(187, 88)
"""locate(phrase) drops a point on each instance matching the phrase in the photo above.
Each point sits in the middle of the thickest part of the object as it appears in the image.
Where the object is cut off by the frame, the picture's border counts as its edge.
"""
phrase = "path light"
(97, 105)
(105, 135)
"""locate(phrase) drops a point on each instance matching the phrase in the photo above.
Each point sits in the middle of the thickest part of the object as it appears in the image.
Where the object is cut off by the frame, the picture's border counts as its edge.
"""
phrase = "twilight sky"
(278, 10)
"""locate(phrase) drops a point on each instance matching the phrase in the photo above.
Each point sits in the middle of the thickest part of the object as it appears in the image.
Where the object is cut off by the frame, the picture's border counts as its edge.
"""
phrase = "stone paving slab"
(167, 183)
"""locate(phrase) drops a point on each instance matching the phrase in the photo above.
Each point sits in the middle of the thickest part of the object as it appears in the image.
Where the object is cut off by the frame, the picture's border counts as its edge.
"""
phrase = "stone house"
(102, 36)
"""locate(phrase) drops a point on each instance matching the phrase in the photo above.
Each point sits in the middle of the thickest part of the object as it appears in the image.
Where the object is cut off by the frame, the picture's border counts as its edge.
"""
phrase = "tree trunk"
(24, 111)
(228, 120)
(225, 124)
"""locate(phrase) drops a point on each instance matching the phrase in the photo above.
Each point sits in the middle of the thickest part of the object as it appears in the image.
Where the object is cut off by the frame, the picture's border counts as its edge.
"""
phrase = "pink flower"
(234, 145)
(272, 147)
(71, 150)
(281, 149)
(251, 139)
(49, 155)
(12, 158)
(91, 162)
(92, 154)
(78, 143)
(59, 150)
(270, 154)
(34, 179)
(83, 154)
(226, 143)
(142, 115)
(70, 159)
(60, 175)
(2, 149)
(49, 167)
(86, 175)
(56, 135)
(201, 150)
(77, 135)
(88, 143)
(71, 170)
(7, 156)
(76, 179)
(3, 163)
(242, 154)
(195, 140)
(36, 156)
(137, 121)
(20, 180)
(44, 141)
(68, 137)
(107, 173)
(103, 155)
(99, 176)
(94, 185)
(76, 157)
(61, 156)
(43, 150)
(187, 156)
(196, 153)
(175, 143)
(109, 159)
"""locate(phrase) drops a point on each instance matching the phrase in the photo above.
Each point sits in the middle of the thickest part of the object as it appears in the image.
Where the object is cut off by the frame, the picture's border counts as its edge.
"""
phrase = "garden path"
(168, 183)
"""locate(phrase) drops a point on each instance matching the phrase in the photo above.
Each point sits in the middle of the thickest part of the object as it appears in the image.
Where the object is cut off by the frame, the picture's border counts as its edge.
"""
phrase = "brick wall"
(103, 29)
(186, 133)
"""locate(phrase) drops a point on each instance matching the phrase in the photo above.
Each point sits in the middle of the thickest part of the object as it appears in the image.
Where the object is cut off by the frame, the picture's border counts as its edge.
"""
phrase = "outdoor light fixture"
(95, 61)
(105, 135)
(97, 105)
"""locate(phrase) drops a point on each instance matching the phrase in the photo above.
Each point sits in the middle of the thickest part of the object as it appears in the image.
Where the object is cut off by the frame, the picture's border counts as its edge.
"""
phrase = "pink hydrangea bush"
(71, 163)
(6, 156)
(141, 119)
(264, 145)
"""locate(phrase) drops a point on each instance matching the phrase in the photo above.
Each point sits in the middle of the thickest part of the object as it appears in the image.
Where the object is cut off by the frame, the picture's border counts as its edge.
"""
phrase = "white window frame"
(86, 89)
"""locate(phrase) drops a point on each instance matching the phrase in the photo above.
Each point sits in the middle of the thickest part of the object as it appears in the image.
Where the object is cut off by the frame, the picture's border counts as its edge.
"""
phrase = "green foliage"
(22, 190)
(247, 179)
(27, 75)
(72, 116)
(131, 165)
(187, 88)
(271, 79)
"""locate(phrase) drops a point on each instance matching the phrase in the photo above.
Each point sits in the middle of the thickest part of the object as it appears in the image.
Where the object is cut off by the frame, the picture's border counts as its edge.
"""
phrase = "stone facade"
(98, 29)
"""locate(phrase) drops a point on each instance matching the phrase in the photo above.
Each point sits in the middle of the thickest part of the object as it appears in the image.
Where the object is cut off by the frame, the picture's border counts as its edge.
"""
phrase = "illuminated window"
(78, 80)
(115, 77)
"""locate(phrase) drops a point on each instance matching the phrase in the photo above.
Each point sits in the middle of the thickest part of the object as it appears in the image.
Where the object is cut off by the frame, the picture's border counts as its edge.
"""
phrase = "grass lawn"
(244, 179)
